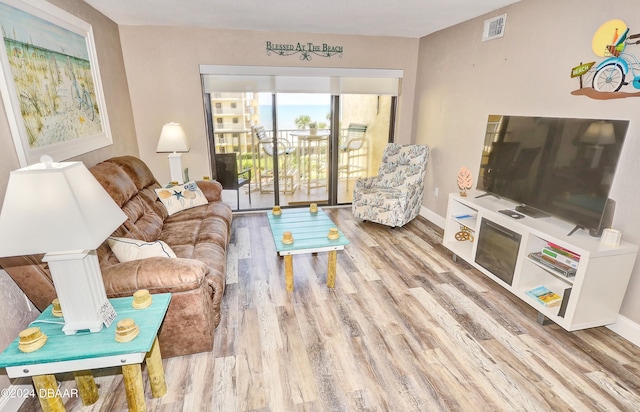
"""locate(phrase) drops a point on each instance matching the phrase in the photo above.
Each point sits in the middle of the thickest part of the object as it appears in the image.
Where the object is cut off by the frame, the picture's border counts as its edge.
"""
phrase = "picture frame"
(50, 86)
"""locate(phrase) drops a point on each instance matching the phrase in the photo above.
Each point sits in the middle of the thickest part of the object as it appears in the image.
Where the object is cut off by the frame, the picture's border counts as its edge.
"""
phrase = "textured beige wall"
(163, 70)
(14, 314)
(461, 80)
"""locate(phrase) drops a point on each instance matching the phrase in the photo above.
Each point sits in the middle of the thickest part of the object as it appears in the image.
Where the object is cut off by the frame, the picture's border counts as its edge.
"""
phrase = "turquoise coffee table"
(309, 232)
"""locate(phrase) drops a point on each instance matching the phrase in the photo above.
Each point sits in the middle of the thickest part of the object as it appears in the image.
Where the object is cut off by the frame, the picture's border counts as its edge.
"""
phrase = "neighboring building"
(233, 115)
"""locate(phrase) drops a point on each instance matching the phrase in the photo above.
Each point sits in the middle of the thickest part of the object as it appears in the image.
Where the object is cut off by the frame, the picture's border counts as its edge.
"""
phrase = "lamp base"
(175, 167)
(597, 154)
(78, 282)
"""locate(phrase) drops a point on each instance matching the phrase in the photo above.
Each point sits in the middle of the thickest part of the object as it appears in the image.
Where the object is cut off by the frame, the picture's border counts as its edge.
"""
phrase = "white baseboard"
(626, 328)
(13, 403)
(432, 216)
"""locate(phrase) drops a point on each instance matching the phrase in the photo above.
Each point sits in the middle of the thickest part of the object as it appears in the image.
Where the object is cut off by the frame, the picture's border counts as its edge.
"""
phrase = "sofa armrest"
(31, 275)
(212, 189)
(157, 274)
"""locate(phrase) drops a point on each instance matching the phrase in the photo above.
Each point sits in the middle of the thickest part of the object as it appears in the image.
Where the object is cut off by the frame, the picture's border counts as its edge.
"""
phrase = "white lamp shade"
(54, 208)
(599, 133)
(172, 139)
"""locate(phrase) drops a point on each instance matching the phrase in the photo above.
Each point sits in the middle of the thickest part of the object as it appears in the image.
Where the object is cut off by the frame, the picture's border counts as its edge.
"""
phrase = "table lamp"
(60, 209)
(598, 134)
(172, 141)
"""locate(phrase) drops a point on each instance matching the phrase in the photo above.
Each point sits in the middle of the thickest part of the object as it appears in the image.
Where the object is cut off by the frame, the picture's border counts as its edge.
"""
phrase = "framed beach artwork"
(50, 83)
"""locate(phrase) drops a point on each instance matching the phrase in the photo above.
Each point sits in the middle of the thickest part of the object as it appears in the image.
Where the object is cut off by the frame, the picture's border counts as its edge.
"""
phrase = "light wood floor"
(405, 329)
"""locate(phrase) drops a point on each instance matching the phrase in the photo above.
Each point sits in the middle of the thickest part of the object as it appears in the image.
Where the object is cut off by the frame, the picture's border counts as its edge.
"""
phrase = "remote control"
(511, 213)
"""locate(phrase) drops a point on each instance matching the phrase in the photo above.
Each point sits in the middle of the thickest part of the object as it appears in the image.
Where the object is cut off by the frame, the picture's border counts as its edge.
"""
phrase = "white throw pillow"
(181, 197)
(127, 249)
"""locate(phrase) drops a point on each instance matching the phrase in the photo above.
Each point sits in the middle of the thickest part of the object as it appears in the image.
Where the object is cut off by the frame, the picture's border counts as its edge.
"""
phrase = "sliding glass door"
(365, 129)
(302, 147)
(229, 118)
(304, 126)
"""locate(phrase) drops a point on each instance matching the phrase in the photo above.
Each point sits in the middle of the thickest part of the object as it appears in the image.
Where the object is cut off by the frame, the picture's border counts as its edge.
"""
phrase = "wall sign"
(305, 50)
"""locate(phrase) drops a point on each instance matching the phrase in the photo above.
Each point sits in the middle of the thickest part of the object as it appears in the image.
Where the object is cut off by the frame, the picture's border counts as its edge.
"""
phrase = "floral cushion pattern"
(394, 197)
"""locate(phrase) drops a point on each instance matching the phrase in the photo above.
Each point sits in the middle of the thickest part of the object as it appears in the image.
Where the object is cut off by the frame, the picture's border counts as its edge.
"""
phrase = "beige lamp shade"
(599, 133)
(55, 207)
(172, 139)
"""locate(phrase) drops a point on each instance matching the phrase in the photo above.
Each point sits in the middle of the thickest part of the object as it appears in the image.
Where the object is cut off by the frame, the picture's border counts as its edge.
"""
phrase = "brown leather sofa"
(196, 278)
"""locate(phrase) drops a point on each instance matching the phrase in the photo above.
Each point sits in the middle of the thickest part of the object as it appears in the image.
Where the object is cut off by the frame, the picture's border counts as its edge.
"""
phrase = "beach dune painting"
(52, 85)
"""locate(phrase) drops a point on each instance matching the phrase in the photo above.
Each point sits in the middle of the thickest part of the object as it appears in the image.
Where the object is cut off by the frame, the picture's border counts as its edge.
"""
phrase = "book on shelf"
(563, 251)
(545, 296)
(549, 262)
(563, 258)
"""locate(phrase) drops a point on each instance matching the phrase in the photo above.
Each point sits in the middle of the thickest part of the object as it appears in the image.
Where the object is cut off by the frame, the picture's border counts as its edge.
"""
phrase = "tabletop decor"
(287, 238)
(141, 299)
(126, 330)
(57, 308)
(465, 180)
(31, 339)
(51, 85)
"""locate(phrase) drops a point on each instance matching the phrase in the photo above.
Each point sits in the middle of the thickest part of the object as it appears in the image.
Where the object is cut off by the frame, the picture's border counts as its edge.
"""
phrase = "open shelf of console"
(500, 247)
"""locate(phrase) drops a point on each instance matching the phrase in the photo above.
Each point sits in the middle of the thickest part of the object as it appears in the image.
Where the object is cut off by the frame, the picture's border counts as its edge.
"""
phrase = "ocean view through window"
(291, 106)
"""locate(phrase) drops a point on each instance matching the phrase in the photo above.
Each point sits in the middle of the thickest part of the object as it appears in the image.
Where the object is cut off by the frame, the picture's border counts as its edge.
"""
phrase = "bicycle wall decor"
(619, 69)
(52, 90)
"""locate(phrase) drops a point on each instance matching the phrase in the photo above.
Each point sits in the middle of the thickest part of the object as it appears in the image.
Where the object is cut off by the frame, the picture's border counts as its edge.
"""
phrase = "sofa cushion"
(127, 249)
(136, 169)
(185, 236)
(142, 220)
(143, 179)
(181, 197)
(156, 274)
(115, 181)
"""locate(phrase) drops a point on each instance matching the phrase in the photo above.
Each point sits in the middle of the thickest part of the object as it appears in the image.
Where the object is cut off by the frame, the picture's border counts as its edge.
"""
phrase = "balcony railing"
(246, 111)
(303, 172)
(245, 135)
(226, 127)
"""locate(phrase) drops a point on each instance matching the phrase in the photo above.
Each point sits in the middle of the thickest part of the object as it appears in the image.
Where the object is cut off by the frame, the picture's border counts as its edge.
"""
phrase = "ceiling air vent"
(494, 27)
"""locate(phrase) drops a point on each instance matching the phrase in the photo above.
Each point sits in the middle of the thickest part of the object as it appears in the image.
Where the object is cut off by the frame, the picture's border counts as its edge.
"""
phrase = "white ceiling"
(403, 18)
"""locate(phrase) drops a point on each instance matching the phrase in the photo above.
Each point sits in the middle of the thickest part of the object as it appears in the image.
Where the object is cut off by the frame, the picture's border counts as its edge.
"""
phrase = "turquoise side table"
(85, 351)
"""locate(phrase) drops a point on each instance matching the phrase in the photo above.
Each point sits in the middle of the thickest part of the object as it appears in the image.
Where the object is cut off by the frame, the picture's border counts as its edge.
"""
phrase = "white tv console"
(590, 298)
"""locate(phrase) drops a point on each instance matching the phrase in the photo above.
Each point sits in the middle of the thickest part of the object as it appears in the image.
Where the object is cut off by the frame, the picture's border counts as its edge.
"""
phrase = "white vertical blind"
(270, 79)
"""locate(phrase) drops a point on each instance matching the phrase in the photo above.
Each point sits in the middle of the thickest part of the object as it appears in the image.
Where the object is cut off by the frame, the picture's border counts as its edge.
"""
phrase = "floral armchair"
(394, 197)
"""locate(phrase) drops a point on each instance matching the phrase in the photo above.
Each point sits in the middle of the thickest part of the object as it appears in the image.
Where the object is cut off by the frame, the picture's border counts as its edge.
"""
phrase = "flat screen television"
(553, 166)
